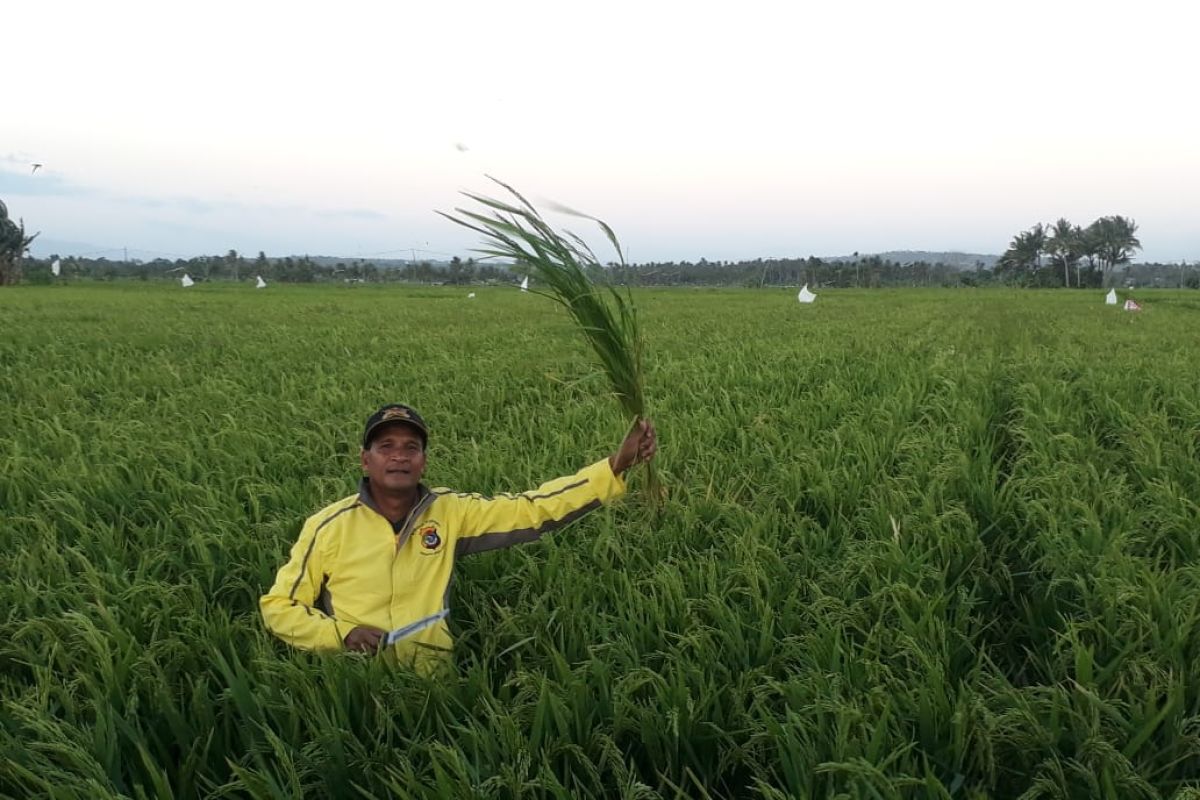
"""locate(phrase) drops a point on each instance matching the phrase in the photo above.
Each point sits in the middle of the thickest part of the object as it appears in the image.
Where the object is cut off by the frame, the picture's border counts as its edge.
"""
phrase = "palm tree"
(1121, 242)
(1091, 243)
(13, 244)
(1115, 241)
(1064, 246)
(1037, 243)
(1024, 254)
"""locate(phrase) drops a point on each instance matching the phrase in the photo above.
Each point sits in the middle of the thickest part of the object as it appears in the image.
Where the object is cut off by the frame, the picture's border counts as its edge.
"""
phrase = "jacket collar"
(364, 495)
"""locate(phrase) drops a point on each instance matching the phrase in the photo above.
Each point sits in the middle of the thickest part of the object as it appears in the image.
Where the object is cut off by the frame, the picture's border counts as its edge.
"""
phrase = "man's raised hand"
(641, 443)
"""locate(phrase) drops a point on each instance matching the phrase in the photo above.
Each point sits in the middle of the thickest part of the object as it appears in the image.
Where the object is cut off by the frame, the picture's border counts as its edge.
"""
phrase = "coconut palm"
(13, 244)
(1064, 246)
(1024, 254)
(1091, 246)
(1118, 242)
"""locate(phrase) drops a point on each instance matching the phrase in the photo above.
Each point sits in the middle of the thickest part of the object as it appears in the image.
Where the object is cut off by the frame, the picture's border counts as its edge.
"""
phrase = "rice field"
(916, 544)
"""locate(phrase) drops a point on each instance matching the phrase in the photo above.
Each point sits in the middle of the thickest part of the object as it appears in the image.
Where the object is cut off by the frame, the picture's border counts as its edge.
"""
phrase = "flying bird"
(36, 167)
(460, 147)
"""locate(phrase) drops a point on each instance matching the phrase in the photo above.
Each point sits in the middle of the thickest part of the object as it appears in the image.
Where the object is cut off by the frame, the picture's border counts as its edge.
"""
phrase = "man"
(372, 572)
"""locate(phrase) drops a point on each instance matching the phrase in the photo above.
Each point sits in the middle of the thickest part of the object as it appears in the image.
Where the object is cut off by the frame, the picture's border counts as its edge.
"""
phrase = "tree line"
(1062, 254)
(290, 269)
(869, 272)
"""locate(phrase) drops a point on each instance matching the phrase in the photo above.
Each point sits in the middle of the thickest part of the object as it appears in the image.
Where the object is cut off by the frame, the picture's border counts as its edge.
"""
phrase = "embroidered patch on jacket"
(430, 540)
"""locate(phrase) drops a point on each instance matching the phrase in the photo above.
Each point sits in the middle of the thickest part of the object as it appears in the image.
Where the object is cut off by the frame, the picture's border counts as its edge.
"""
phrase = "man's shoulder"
(333, 510)
(447, 496)
(441, 497)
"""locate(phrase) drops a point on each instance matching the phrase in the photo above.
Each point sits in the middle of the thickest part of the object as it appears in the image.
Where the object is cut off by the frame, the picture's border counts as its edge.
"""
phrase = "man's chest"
(419, 557)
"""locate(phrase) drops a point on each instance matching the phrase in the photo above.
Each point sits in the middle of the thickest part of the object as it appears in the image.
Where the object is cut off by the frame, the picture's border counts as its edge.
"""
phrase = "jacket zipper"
(406, 529)
(401, 540)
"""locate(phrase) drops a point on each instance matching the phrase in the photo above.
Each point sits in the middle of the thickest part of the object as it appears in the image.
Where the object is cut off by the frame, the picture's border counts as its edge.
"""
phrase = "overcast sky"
(723, 131)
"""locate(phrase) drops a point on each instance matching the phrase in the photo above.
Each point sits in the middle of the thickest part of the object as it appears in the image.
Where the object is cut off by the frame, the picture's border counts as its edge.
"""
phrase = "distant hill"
(44, 247)
(382, 263)
(950, 258)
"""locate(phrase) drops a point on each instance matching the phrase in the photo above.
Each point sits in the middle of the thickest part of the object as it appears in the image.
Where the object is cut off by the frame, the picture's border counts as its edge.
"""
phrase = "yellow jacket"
(352, 567)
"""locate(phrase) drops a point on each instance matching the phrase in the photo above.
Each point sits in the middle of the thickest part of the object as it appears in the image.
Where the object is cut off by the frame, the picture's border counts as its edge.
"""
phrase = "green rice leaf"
(560, 261)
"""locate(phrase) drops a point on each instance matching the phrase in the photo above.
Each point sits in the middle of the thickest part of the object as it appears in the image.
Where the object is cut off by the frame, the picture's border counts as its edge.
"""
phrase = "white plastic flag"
(1110, 299)
(186, 281)
(471, 296)
(525, 284)
(1132, 306)
(805, 296)
(56, 267)
(261, 284)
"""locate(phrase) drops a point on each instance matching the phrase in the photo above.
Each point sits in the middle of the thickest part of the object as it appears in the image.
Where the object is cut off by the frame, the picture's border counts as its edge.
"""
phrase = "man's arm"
(489, 523)
(289, 608)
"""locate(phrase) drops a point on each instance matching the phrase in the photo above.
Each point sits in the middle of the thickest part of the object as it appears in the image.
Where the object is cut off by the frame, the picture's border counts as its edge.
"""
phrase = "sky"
(724, 131)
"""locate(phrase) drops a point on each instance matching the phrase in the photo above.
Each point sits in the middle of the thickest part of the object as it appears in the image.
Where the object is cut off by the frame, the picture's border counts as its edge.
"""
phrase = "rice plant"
(606, 316)
(920, 544)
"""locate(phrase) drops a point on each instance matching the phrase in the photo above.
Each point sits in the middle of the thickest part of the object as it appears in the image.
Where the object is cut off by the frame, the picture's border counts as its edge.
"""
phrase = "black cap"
(391, 413)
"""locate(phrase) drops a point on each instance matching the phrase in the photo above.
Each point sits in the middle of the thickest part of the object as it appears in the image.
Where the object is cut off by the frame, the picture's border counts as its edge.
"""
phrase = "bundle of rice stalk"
(560, 261)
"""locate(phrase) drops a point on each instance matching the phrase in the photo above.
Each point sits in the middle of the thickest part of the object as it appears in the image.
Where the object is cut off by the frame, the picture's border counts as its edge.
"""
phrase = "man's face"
(395, 459)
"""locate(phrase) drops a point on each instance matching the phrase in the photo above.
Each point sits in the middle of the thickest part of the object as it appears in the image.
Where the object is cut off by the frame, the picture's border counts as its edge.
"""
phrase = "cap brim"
(371, 431)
